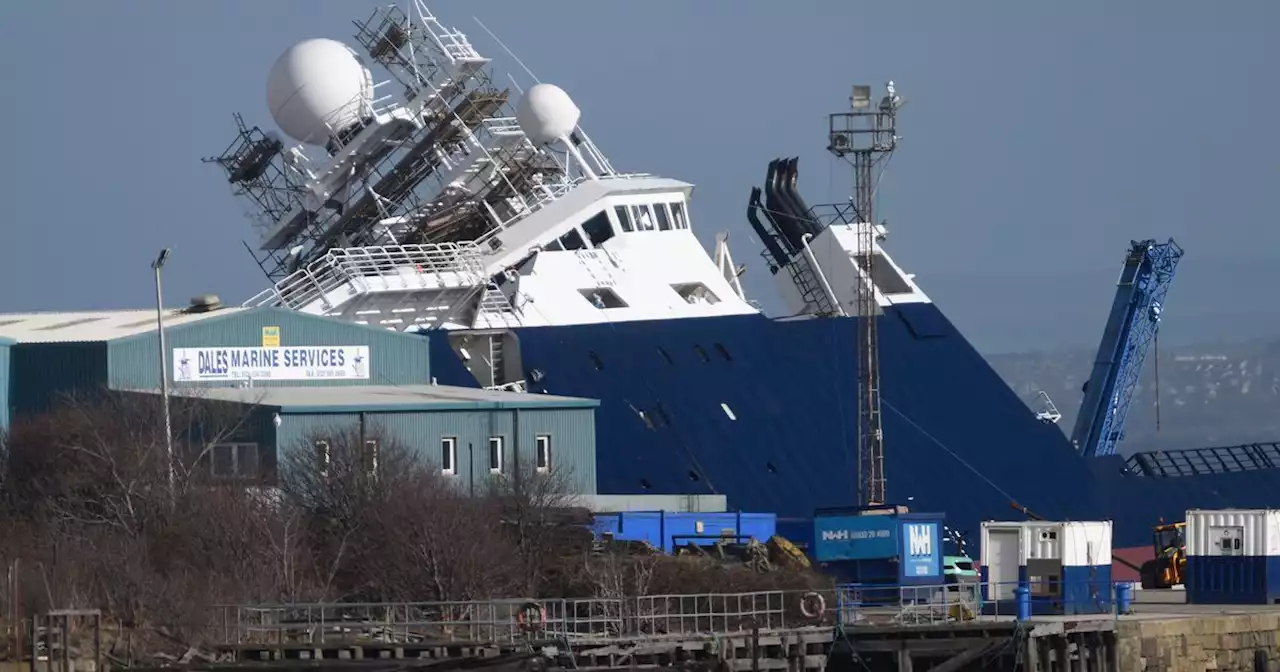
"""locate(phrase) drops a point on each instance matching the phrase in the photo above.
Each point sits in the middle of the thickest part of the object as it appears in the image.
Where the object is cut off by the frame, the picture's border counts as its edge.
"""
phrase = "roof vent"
(205, 303)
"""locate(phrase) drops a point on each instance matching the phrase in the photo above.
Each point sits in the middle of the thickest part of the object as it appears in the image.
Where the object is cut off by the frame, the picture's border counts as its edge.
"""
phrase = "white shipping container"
(1074, 544)
(1242, 532)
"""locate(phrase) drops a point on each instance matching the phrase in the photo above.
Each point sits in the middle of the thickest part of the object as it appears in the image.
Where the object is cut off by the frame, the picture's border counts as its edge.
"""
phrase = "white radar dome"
(317, 87)
(547, 113)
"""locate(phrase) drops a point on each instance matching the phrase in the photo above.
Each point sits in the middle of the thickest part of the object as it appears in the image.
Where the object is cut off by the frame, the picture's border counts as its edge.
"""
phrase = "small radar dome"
(546, 113)
(316, 88)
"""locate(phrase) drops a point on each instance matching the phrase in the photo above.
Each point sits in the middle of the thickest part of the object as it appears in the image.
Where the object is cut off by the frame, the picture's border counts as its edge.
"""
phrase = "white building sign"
(306, 362)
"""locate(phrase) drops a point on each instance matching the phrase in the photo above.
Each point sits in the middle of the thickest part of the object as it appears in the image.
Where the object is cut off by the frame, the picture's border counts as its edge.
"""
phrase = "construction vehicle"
(1169, 566)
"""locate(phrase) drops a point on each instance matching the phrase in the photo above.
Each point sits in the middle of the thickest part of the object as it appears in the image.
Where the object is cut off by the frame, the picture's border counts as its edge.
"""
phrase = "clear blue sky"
(1039, 138)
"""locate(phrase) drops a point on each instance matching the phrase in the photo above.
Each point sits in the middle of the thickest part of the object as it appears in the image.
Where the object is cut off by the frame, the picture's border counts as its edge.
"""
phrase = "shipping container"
(874, 548)
(1065, 565)
(668, 530)
(1233, 556)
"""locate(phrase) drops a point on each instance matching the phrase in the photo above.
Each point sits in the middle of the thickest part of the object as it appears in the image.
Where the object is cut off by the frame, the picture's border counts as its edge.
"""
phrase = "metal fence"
(880, 604)
(510, 620)
(578, 620)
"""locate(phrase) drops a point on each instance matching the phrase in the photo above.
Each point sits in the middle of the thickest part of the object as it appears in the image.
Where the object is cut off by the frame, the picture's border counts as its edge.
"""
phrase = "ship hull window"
(603, 298)
(572, 240)
(677, 216)
(664, 221)
(624, 218)
(696, 293)
(598, 229)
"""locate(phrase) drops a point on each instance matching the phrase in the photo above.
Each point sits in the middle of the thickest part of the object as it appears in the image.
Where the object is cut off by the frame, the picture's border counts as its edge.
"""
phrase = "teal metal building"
(5, 344)
(468, 434)
(53, 354)
(291, 378)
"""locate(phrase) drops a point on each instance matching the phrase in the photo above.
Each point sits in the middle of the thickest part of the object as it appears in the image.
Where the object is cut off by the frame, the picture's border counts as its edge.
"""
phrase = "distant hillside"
(1209, 395)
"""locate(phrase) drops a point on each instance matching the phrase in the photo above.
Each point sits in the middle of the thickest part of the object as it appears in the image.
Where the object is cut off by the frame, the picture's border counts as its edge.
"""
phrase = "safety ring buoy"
(812, 604)
(531, 616)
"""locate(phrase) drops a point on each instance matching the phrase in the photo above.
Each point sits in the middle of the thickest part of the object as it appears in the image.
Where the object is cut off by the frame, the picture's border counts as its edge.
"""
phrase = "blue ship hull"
(957, 438)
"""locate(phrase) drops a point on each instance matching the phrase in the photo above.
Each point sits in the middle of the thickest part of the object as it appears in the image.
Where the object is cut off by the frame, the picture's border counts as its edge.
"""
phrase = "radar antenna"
(866, 137)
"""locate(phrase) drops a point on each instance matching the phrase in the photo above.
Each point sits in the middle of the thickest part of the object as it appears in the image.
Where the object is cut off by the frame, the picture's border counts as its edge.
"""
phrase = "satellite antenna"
(453, 161)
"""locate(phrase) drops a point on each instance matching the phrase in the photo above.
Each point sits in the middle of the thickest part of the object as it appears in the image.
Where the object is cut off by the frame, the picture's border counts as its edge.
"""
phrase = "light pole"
(157, 266)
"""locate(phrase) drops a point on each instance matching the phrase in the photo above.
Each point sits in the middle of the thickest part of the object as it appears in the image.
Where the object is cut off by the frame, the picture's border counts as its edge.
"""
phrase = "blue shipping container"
(666, 530)
(899, 548)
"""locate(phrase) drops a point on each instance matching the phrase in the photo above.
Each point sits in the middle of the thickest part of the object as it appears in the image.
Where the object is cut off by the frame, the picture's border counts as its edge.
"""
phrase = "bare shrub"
(88, 519)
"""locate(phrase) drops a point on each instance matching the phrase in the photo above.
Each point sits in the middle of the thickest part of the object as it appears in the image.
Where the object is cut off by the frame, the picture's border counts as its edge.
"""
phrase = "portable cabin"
(1233, 556)
(879, 549)
(1066, 566)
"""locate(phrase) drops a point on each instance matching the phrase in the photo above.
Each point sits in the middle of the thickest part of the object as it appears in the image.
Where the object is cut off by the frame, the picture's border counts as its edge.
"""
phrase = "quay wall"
(1221, 642)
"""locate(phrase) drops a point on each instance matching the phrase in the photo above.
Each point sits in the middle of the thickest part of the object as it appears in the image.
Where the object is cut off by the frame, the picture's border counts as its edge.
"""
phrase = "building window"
(369, 458)
(234, 460)
(495, 455)
(542, 445)
(449, 455)
(322, 457)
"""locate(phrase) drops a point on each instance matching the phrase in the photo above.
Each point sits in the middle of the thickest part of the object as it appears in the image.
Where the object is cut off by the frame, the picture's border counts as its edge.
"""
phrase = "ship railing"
(510, 620)
(967, 601)
(365, 269)
(513, 386)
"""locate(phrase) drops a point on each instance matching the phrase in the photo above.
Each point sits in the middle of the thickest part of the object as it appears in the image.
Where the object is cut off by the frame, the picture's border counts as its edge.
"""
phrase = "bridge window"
(677, 216)
(603, 298)
(660, 211)
(598, 229)
(572, 240)
(624, 218)
(696, 293)
(553, 246)
(644, 221)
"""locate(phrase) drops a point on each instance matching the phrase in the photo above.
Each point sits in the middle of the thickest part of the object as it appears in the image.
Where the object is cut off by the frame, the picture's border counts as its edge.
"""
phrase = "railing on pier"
(887, 604)
(598, 620)
(514, 619)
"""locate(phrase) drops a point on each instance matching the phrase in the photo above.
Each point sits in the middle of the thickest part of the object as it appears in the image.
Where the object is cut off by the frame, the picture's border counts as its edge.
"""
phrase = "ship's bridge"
(617, 248)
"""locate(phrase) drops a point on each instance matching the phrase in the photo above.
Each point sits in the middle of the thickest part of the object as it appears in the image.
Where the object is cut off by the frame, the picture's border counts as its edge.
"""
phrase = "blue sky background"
(1039, 138)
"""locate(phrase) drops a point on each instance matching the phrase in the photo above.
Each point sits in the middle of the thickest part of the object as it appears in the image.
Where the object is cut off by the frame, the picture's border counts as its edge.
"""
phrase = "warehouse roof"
(93, 326)
(381, 398)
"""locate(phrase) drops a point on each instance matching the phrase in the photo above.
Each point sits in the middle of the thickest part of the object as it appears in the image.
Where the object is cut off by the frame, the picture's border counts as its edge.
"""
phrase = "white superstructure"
(446, 206)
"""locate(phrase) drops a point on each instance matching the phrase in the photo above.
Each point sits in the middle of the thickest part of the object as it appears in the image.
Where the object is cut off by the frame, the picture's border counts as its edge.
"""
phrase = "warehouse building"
(5, 343)
(292, 377)
(466, 433)
(54, 354)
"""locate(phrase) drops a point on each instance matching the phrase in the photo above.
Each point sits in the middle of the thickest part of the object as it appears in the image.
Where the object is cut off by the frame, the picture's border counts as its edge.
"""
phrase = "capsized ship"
(487, 219)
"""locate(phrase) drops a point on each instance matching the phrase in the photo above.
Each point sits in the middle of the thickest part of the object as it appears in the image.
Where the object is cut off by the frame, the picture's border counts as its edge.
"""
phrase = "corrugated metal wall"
(42, 373)
(572, 433)
(4, 385)
(395, 358)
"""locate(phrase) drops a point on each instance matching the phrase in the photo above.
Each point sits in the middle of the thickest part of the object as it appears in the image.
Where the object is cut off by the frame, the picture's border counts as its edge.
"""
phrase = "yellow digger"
(1167, 568)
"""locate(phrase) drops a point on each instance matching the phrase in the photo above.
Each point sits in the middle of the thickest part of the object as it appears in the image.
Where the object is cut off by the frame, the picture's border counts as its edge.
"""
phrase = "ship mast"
(865, 137)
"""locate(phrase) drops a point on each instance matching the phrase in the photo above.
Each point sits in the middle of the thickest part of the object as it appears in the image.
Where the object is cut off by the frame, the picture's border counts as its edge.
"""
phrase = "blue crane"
(1131, 328)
